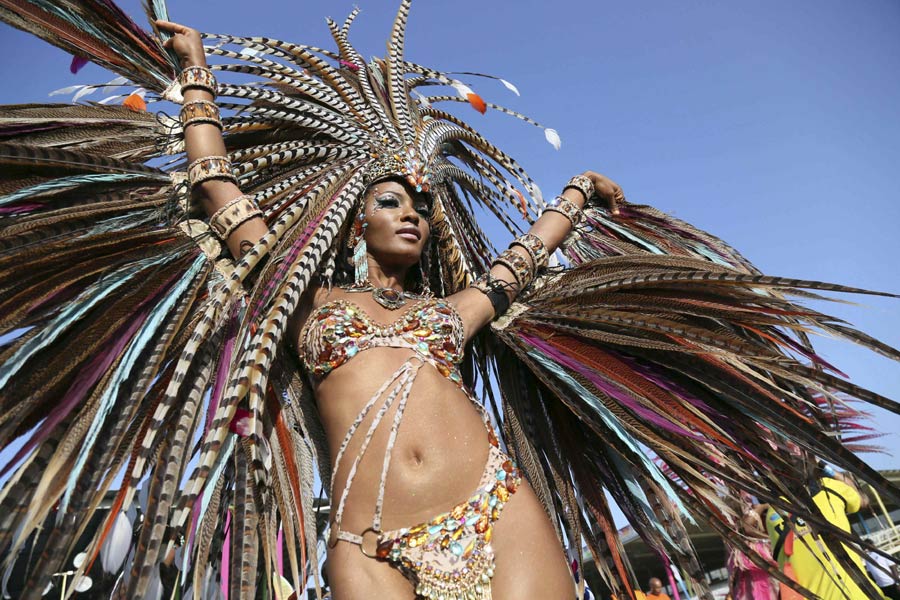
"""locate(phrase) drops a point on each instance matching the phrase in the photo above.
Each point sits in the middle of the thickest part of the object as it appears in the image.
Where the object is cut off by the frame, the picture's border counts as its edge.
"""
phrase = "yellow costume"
(814, 565)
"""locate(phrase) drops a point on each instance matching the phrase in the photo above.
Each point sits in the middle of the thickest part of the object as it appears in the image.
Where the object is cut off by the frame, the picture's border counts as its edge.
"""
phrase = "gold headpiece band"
(403, 163)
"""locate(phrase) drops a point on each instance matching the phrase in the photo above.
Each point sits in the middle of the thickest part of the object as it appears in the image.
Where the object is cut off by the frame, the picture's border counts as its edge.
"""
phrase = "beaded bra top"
(338, 330)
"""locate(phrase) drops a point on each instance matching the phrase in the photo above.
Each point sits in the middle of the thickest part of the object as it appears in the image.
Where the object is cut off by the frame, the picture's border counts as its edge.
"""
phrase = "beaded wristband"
(210, 167)
(231, 216)
(535, 248)
(583, 184)
(495, 291)
(566, 208)
(518, 264)
(200, 78)
(200, 111)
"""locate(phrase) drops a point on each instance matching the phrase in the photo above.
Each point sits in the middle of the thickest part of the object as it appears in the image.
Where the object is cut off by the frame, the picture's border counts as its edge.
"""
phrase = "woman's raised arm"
(232, 216)
(514, 268)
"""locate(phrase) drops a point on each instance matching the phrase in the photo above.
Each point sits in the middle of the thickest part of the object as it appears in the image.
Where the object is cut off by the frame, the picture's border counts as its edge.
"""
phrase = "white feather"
(154, 586)
(7, 573)
(83, 584)
(86, 90)
(114, 84)
(112, 99)
(554, 260)
(66, 90)
(552, 137)
(111, 86)
(116, 545)
(462, 89)
(510, 87)
(423, 100)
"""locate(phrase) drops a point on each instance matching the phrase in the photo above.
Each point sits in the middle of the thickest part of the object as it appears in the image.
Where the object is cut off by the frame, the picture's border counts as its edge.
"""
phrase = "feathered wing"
(661, 337)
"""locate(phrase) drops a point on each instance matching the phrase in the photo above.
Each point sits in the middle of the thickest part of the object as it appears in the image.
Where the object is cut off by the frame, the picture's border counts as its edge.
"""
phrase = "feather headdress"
(141, 371)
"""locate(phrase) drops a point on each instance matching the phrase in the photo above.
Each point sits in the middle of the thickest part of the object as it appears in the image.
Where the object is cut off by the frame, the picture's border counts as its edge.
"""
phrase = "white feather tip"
(552, 137)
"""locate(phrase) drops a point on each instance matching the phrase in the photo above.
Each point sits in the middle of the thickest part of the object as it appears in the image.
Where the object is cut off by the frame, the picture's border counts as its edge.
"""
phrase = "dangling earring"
(358, 243)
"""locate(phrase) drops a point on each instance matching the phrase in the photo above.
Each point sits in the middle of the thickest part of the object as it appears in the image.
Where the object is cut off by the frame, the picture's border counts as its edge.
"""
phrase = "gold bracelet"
(566, 208)
(535, 248)
(583, 184)
(231, 216)
(200, 111)
(518, 265)
(200, 78)
(210, 167)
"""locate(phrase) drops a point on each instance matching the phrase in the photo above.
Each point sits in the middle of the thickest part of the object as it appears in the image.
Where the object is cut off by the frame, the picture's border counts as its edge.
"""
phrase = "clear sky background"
(775, 125)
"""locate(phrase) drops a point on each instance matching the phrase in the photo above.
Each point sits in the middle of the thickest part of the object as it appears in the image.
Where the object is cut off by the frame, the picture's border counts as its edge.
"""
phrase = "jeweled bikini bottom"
(451, 556)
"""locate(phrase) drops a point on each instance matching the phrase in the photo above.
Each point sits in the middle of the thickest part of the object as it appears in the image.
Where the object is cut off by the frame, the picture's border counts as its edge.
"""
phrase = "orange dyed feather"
(135, 103)
(476, 102)
(522, 206)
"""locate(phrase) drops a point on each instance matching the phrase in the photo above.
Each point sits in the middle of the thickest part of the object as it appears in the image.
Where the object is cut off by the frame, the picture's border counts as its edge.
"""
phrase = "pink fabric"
(279, 553)
(749, 582)
(672, 583)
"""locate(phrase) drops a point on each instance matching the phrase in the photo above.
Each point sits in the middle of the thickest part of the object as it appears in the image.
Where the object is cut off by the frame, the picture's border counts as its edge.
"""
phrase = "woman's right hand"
(186, 43)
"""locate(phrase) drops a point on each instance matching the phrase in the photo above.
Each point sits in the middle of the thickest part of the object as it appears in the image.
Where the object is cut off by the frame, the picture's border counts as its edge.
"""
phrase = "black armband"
(495, 290)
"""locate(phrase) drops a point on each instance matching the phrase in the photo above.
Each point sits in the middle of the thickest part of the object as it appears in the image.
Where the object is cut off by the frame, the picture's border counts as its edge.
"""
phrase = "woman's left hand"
(186, 42)
(607, 189)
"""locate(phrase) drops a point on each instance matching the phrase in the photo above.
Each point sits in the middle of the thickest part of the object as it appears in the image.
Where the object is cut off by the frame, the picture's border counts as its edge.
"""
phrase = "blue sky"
(775, 125)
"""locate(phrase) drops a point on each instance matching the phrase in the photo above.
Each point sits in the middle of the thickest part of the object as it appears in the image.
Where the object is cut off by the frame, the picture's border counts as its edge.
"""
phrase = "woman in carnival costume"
(306, 287)
(746, 581)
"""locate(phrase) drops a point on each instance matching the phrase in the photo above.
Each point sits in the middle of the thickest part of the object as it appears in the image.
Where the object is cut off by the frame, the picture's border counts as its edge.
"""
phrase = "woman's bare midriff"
(439, 453)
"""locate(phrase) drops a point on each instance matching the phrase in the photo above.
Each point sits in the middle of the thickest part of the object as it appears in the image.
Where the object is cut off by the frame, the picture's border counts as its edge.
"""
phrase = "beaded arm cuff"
(231, 216)
(535, 248)
(210, 167)
(566, 208)
(200, 111)
(518, 264)
(495, 290)
(583, 184)
(198, 77)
